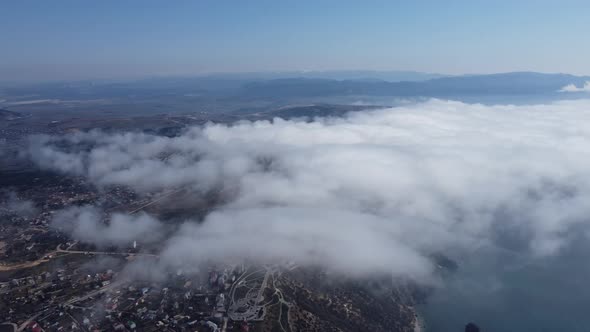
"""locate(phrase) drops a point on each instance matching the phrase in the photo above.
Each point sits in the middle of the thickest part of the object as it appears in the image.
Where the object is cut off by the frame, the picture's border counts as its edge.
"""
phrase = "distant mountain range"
(517, 83)
(257, 91)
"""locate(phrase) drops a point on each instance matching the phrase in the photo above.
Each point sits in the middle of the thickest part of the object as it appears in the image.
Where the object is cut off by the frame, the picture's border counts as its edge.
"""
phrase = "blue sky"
(84, 39)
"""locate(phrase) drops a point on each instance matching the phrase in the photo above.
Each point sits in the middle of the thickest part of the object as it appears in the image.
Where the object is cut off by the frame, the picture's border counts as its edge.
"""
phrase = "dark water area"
(506, 292)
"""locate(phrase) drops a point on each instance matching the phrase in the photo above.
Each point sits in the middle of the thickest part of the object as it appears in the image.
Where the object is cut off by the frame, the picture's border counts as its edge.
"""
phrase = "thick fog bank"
(371, 192)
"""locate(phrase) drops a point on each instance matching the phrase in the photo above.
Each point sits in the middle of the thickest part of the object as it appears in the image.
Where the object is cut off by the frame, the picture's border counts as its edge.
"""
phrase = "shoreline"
(419, 324)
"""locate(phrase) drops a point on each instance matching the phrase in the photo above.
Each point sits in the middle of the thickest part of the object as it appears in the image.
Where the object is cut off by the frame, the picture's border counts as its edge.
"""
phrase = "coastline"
(419, 324)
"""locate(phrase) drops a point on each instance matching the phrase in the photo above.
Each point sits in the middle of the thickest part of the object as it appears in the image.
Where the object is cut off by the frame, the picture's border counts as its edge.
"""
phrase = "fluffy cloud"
(368, 192)
(346, 241)
(20, 207)
(574, 88)
(86, 223)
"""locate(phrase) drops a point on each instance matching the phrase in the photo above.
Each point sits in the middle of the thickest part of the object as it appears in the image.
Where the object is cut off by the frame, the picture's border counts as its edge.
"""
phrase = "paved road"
(106, 253)
(253, 309)
(161, 197)
(14, 327)
(110, 286)
(27, 322)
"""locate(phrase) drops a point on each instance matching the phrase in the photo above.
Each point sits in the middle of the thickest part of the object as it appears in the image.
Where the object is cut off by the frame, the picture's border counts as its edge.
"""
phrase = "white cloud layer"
(86, 224)
(20, 207)
(574, 88)
(374, 191)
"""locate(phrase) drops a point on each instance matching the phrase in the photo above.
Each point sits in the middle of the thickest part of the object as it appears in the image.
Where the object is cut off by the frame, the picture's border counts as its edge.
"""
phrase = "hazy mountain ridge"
(505, 83)
(302, 85)
(241, 93)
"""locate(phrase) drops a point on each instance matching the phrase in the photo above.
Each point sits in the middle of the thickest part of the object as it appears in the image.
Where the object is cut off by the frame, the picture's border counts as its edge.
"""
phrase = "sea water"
(502, 291)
